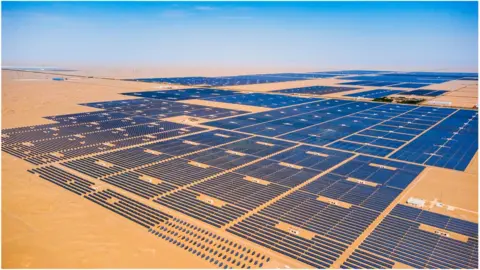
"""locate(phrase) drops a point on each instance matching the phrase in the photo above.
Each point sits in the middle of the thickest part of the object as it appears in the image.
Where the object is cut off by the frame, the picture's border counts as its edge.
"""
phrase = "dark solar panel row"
(186, 201)
(438, 75)
(234, 189)
(381, 171)
(211, 247)
(76, 118)
(316, 90)
(310, 75)
(92, 167)
(138, 184)
(377, 93)
(315, 158)
(179, 172)
(353, 72)
(258, 146)
(330, 131)
(230, 80)
(274, 172)
(339, 188)
(183, 94)
(132, 157)
(365, 260)
(383, 138)
(427, 93)
(437, 220)
(336, 222)
(363, 148)
(272, 115)
(262, 100)
(97, 148)
(9, 131)
(293, 123)
(112, 104)
(221, 158)
(403, 241)
(85, 128)
(164, 109)
(368, 83)
(71, 142)
(411, 85)
(319, 252)
(403, 79)
(191, 111)
(158, 109)
(374, 141)
(64, 179)
(137, 212)
(195, 142)
(451, 144)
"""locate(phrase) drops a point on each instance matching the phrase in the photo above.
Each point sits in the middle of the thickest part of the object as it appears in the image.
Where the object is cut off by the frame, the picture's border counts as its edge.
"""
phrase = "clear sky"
(322, 35)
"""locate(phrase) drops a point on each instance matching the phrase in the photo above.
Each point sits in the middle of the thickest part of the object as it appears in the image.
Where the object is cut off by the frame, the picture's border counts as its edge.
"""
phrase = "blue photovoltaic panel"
(316, 90)
(425, 92)
(402, 240)
(263, 100)
(234, 189)
(410, 85)
(293, 123)
(450, 144)
(319, 252)
(363, 260)
(375, 141)
(436, 220)
(279, 173)
(273, 115)
(316, 158)
(331, 131)
(353, 72)
(377, 93)
(183, 94)
(338, 187)
(331, 221)
(185, 201)
(258, 146)
(361, 148)
(236, 80)
(381, 171)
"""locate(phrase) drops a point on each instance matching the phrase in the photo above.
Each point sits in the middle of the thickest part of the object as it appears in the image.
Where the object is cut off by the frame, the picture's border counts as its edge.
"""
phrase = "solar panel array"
(406, 80)
(304, 179)
(315, 90)
(401, 237)
(182, 94)
(377, 93)
(262, 100)
(427, 93)
(238, 80)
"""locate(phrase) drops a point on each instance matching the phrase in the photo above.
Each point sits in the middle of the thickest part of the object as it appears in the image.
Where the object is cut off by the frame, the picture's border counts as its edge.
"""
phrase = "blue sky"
(318, 35)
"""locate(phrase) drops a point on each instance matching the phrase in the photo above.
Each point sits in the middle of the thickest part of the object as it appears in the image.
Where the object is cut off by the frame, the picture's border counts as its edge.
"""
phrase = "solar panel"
(262, 100)
(435, 147)
(377, 93)
(315, 90)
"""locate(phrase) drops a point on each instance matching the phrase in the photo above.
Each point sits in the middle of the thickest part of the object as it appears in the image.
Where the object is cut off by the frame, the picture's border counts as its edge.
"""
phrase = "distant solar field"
(407, 80)
(377, 93)
(183, 94)
(303, 179)
(238, 80)
(262, 100)
(315, 90)
(428, 93)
